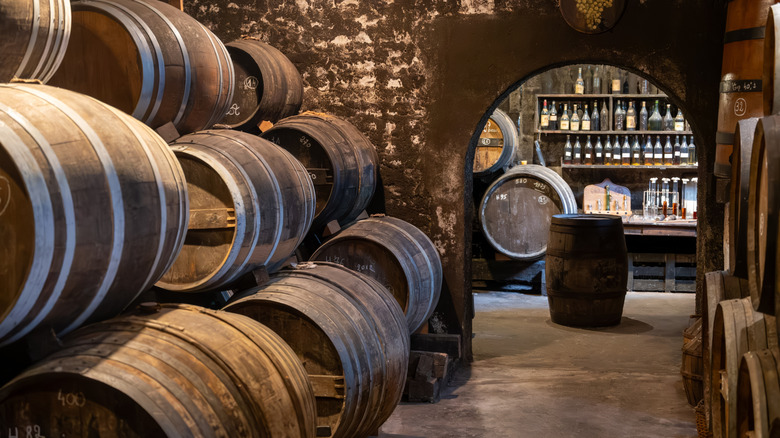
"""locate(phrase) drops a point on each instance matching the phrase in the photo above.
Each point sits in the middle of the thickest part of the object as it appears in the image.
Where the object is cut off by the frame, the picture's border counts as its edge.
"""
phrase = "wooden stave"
(270, 170)
(407, 243)
(207, 382)
(692, 368)
(282, 94)
(33, 51)
(568, 203)
(737, 329)
(761, 271)
(771, 81)
(167, 39)
(353, 158)
(293, 289)
(739, 194)
(510, 143)
(90, 268)
(758, 394)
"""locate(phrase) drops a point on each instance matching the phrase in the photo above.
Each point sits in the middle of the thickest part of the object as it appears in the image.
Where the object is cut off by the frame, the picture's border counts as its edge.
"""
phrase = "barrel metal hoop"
(724, 137)
(63, 37)
(750, 33)
(33, 37)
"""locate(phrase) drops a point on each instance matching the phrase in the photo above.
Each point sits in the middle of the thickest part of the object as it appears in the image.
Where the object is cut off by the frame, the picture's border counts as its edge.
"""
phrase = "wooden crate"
(651, 272)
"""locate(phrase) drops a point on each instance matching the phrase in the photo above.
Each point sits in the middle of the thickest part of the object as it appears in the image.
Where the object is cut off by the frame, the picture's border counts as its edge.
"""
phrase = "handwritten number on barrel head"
(5, 194)
(305, 141)
(251, 83)
(740, 107)
(72, 398)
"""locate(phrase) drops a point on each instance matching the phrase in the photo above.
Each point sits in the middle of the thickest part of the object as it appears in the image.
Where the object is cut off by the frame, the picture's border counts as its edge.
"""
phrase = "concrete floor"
(533, 378)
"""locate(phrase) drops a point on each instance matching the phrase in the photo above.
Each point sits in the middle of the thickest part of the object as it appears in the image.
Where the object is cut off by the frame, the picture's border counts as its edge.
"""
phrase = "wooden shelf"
(604, 166)
(544, 131)
(602, 96)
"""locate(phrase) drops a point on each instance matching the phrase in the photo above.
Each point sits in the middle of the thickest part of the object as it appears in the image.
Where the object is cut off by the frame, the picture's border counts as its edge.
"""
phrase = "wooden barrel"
(183, 371)
(341, 161)
(763, 213)
(737, 329)
(738, 198)
(251, 204)
(586, 270)
(92, 209)
(33, 37)
(268, 86)
(771, 77)
(692, 368)
(516, 210)
(350, 335)
(742, 71)
(758, 394)
(398, 255)
(150, 60)
(496, 145)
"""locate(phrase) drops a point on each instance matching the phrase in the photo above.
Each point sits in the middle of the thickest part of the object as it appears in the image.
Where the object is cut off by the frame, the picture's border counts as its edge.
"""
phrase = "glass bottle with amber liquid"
(647, 153)
(617, 155)
(684, 154)
(565, 118)
(588, 153)
(577, 156)
(574, 121)
(658, 152)
(595, 119)
(579, 84)
(553, 123)
(679, 121)
(631, 117)
(598, 152)
(608, 153)
(677, 151)
(626, 152)
(585, 124)
(567, 151)
(636, 152)
(668, 152)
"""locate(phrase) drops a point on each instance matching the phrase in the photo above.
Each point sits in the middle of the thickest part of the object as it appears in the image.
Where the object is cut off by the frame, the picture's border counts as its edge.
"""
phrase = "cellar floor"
(533, 378)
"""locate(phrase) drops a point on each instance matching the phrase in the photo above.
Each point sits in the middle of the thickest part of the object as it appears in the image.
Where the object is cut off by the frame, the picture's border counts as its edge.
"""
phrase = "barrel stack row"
(738, 389)
(97, 208)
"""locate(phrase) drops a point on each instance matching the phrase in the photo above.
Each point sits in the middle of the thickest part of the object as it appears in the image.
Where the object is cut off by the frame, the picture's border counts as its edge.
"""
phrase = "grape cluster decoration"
(592, 10)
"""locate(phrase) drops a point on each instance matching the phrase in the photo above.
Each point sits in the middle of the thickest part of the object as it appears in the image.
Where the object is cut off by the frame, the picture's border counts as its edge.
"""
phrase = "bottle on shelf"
(617, 155)
(647, 153)
(617, 84)
(544, 122)
(626, 152)
(679, 121)
(677, 152)
(658, 152)
(643, 117)
(620, 117)
(585, 124)
(579, 84)
(594, 117)
(668, 119)
(588, 153)
(607, 153)
(604, 117)
(684, 154)
(644, 86)
(636, 152)
(655, 122)
(588, 80)
(693, 160)
(631, 117)
(577, 156)
(625, 83)
(553, 123)
(574, 121)
(596, 82)
(565, 118)
(598, 151)
(668, 152)
(567, 151)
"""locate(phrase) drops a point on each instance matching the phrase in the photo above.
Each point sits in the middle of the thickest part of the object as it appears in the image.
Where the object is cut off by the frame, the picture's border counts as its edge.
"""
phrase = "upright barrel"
(496, 145)
(251, 204)
(739, 194)
(586, 270)
(150, 60)
(33, 37)
(350, 335)
(268, 86)
(183, 371)
(398, 255)
(741, 74)
(93, 208)
(341, 161)
(517, 208)
(758, 394)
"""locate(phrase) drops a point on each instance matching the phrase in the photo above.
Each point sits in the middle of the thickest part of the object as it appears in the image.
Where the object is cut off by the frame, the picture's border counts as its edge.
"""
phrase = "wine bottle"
(565, 118)
(594, 117)
(643, 117)
(604, 117)
(655, 123)
(616, 83)
(625, 83)
(626, 152)
(588, 154)
(668, 152)
(647, 154)
(684, 154)
(567, 151)
(577, 158)
(668, 120)
(553, 123)
(607, 153)
(596, 83)
(636, 152)
(679, 121)
(545, 117)
(579, 84)
(693, 160)
(658, 152)
(619, 118)
(585, 124)
(574, 122)
(617, 153)
(598, 151)
(677, 151)
(631, 117)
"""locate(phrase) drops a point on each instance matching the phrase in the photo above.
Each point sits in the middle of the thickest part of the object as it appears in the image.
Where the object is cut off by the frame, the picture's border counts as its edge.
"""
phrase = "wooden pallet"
(650, 272)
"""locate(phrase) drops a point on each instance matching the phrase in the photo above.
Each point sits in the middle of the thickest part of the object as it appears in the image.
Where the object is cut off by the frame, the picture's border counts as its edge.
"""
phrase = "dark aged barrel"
(692, 368)
(268, 86)
(33, 37)
(758, 394)
(516, 210)
(341, 161)
(496, 145)
(737, 329)
(93, 206)
(398, 255)
(150, 60)
(763, 213)
(738, 199)
(742, 72)
(586, 270)
(183, 371)
(251, 204)
(350, 334)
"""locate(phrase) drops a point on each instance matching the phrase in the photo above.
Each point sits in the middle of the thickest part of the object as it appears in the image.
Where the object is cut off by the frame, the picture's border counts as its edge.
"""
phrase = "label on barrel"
(491, 135)
(741, 86)
(251, 83)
